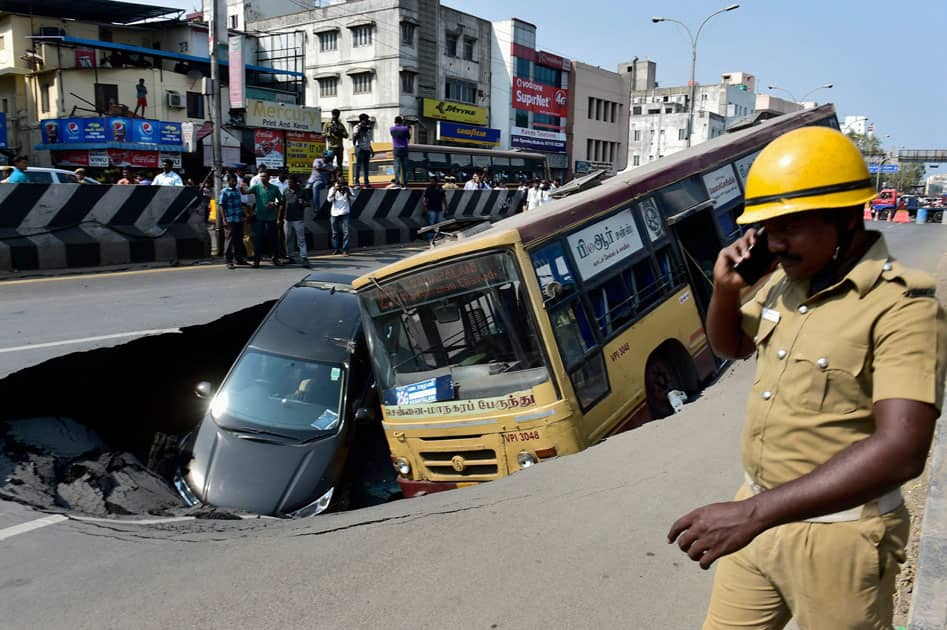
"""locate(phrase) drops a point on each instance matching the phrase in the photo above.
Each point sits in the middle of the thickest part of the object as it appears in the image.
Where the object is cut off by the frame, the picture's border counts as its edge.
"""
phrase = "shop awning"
(98, 146)
(106, 11)
(152, 52)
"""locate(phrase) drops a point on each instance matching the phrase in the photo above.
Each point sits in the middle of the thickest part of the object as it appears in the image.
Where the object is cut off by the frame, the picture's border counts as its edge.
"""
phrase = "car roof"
(316, 319)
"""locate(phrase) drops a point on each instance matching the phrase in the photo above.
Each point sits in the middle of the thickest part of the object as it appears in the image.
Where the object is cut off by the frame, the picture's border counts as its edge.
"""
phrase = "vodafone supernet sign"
(540, 98)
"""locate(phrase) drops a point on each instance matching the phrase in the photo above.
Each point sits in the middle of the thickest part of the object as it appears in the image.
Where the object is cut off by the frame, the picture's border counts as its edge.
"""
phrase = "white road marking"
(66, 342)
(29, 526)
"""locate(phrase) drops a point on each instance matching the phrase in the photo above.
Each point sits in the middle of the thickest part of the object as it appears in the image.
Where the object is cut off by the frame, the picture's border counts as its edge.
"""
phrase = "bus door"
(695, 231)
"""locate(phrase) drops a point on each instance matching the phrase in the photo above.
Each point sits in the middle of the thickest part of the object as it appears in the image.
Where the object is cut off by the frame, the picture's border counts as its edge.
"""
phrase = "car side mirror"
(204, 390)
(364, 415)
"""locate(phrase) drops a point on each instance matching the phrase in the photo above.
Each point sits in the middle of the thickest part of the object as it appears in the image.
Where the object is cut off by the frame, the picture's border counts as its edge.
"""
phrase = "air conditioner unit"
(176, 100)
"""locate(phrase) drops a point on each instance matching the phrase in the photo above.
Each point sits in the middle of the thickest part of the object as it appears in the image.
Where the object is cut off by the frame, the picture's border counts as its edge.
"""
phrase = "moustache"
(780, 256)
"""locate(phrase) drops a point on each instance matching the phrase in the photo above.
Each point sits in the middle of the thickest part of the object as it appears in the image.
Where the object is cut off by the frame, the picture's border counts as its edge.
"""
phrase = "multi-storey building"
(597, 131)
(529, 94)
(858, 125)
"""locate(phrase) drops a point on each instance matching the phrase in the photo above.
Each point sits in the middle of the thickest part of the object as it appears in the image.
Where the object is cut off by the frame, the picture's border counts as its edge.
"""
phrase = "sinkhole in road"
(98, 432)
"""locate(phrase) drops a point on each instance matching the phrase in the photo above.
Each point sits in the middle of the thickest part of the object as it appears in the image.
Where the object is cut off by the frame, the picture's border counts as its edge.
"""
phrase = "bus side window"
(665, 260)
(573, 332)
(613, 304)
(646, 284)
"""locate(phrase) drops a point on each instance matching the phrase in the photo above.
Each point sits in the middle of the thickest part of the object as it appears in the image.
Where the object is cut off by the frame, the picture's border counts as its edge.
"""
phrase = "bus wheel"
(662, 375)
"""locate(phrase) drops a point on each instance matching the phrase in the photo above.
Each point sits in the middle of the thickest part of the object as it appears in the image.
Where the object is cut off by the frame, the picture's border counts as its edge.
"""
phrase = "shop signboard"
(3, 131)
(169, 132)
(118, 129)
(271, 115)
(468, 134)
(236, 75)
(536, 140)
(302, 149)
(268, 147)
(71, 157)
(109, 129)
(454, 112)
(604, 244)
(540, 98)
(144, 131)
(550, 60)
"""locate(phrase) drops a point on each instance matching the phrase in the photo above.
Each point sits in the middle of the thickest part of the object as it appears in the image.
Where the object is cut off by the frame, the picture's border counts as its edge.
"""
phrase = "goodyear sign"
(468, 134)
(457, 112)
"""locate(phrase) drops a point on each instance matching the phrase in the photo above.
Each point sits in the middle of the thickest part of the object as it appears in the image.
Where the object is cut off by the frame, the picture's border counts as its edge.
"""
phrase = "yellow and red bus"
(552, 329)
(509, 168)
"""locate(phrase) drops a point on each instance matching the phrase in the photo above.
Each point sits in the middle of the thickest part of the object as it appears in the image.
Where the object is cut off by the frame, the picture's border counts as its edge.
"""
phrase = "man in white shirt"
(167, 177)
(260, 176)
(340, 197)
(474, 183)
(534, 196)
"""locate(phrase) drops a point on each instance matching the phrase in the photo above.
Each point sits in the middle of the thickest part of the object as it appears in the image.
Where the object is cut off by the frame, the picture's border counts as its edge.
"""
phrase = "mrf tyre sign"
(540, 98)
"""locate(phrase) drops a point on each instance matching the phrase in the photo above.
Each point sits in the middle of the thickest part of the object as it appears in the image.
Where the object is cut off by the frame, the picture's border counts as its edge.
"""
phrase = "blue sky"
(885, 59)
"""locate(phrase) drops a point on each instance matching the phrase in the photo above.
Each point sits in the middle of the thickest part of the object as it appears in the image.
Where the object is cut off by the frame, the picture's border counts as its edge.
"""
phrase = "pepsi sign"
(144, 131)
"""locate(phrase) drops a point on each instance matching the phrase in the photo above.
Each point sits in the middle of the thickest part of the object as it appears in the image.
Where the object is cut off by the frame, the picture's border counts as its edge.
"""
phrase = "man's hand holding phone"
(743, 262)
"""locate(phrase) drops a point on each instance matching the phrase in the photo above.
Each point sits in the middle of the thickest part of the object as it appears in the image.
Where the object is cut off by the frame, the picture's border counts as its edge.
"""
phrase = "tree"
(909, 175)
(868, 144)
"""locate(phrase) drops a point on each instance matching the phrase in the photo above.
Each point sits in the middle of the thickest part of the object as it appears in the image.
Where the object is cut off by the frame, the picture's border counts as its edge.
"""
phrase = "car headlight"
(185, 490)
(401, 466)
(526, 459)
(316, 507)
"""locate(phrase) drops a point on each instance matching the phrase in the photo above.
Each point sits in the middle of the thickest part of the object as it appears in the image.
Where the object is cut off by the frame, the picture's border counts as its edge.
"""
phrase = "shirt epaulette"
(917, 283)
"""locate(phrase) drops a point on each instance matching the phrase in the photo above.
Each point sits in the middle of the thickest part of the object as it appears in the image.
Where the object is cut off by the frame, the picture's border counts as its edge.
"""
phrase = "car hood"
(253, 473)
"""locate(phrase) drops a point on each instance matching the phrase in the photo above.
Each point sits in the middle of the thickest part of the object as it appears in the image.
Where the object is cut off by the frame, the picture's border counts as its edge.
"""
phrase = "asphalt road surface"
(577, 542)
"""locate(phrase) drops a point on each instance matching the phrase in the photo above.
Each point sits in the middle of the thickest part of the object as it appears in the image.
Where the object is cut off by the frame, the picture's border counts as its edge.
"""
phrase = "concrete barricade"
(52, 226)
(386, 217)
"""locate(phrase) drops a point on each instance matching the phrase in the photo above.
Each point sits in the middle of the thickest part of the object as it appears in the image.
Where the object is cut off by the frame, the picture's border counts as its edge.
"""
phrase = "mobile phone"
(760, 261)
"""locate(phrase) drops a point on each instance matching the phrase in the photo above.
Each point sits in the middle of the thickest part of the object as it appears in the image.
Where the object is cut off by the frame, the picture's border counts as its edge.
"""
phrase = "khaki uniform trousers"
(830, 576)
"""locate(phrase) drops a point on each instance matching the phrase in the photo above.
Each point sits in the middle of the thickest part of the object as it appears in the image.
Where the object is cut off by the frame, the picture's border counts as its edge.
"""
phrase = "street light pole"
(824, 86)
(693, 82)
(215, 117)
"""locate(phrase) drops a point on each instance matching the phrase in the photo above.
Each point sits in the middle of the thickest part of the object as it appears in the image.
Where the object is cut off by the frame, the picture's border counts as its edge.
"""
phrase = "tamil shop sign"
(271, 115)
(455, 112)
(536, 140)
(302, 149)
(110, 129)
(604, 244)
(540, 98)
(468, 134)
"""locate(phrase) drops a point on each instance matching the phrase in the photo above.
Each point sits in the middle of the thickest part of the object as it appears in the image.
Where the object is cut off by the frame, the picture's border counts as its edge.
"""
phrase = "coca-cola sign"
(540, 98)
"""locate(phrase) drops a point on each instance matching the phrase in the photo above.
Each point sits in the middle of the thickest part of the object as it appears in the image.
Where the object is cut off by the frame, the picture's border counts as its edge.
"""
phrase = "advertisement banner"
(118, 129)
(144, 131)
(604, 244)
(272, 115)
(722, 185)
(71, 157)
(468, 134)
(169, 132)
(302, 149)
(550, 60)
(85, 58)
(236, 76)
(456, 112)
(3, 130)
(99, 158)
(268, 147)
(536, 140)
(540, 98)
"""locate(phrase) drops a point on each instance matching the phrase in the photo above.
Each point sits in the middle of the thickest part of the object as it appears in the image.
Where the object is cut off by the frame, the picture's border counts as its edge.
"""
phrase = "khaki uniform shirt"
(822, 361)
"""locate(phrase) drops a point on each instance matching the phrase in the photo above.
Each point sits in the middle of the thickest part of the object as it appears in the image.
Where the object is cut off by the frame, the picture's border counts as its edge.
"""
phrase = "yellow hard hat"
(811, 168)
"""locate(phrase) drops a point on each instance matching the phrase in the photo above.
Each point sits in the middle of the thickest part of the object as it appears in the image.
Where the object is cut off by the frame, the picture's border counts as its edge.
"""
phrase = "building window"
(549, 76)
(5, 107)
(362, 83)
(362, 36)
(3, 42)
(182, 47)
(407, 82)
(682, 134)
(588, 148)
(549, 122)
(524, 35)
(44, 97)
(407, 33)
(591, 106)
(234, 24)
(636, 160)
(106, 94)
(463, 91)
(328, 40)
(451, 44)
(470, 47)
(195, 105)
(636, 110)
(651, 158)
(637, 135)
(522, 67)
(328, 87)
(522, 118)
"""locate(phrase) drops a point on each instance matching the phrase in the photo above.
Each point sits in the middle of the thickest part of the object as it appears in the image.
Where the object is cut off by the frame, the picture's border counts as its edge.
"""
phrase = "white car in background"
(42, 175)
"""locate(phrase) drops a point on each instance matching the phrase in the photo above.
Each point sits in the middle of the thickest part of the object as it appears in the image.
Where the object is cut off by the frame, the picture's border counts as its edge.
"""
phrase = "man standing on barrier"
(335, 133)
(850, 348)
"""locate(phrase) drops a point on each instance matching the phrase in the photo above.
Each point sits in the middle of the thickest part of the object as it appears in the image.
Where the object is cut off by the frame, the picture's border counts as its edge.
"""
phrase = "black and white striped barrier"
(52, 226)
(386, 217)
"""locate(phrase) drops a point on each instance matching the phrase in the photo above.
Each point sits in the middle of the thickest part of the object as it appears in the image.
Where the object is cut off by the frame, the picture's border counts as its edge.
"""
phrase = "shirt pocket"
(827, 380)
(763, 334)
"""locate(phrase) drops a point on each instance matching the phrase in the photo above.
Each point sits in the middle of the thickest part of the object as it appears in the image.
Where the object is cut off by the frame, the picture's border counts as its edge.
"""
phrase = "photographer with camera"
(335, 133)
(340, 197)
(363, 147)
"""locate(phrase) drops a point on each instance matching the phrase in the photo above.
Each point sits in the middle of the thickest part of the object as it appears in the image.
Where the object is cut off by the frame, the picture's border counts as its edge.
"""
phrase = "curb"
(929, 599)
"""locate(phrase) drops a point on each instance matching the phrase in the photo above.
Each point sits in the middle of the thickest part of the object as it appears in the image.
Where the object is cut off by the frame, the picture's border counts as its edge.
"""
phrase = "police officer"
(850, 348)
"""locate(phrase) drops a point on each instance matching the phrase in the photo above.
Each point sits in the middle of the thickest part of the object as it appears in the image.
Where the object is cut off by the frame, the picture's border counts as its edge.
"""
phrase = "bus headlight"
(402, 466)
(526, 459)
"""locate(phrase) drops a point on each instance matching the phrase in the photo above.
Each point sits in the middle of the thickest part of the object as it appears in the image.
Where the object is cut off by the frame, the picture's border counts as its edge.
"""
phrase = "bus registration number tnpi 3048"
(522, 436)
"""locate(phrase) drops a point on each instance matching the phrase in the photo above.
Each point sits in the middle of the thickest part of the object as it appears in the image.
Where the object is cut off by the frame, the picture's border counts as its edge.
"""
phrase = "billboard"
(468, 134)
(236, 76)
(272, 115)
(268, 147)
(455, 112)
(536, 140)
(110, 129)
(540, 98)
(302, 149)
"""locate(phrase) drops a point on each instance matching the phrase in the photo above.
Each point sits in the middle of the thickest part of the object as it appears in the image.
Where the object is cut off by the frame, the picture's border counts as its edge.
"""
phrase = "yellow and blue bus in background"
(552, 329)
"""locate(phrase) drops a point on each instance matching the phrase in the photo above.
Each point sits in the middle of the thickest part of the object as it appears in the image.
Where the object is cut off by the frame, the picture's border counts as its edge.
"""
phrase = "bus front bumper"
(418, 488)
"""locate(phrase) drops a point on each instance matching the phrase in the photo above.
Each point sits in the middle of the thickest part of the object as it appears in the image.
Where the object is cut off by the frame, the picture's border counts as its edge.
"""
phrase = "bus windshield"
(458, 331)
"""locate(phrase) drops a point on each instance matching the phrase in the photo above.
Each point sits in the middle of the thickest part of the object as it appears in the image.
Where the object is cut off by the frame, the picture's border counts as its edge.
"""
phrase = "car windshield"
(281, 396)
(461, 330)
